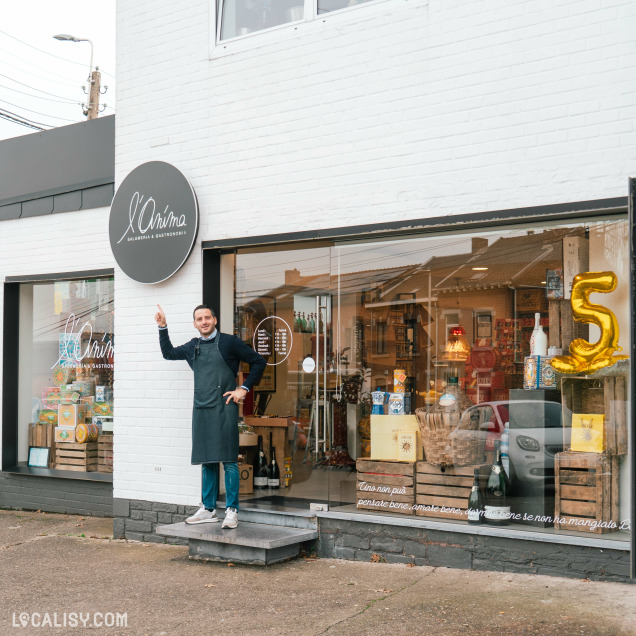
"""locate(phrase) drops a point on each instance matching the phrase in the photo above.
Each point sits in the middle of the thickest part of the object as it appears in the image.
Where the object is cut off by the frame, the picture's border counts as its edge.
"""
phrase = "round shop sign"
(154, 219)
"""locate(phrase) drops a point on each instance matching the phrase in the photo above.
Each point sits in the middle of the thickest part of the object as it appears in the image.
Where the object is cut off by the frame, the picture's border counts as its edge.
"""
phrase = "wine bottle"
(533, 336)
(273, 480)
(260, 466)
(497, 492)
(540, 342)
(475, 502)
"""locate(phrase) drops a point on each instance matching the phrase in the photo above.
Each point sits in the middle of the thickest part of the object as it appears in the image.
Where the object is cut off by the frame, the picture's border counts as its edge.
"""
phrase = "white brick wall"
(397, 110)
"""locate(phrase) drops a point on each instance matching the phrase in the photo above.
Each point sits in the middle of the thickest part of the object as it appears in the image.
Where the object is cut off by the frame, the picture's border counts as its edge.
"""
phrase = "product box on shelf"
(50, 397)
(103, 393)
(84, 387)
(47, 416)
(70, 414)
(69, 396)
(103, 408)
(288, 475)
(385, 486)
(246, 483)
(538, 373)
(384, 435)
(399, 380)
(64, 434)
(104, 424)
(248, 439)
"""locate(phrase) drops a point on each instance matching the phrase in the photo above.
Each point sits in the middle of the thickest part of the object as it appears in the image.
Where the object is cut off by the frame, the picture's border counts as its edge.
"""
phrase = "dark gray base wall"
(136, 520)
(360, 540)
(68, 496)
(395, 544)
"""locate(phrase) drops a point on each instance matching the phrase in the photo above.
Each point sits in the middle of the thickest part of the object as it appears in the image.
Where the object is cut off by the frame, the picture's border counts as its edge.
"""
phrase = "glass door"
(283, 309)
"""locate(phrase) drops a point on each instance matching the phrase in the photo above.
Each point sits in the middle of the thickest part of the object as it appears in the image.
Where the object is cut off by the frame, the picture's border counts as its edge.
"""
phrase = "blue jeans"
(210, 485)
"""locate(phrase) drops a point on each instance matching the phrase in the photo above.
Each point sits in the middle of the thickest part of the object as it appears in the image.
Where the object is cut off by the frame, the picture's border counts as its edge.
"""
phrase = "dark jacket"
(232, 350)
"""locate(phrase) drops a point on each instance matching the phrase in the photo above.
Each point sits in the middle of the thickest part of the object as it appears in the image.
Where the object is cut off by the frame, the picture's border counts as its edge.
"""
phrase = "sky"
(41, 78)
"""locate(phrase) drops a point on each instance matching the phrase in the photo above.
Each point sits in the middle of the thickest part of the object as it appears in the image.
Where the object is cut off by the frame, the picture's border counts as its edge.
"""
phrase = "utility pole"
(92, 108)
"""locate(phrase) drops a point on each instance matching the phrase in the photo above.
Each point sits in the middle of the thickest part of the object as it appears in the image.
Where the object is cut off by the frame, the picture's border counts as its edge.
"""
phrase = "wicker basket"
(444, 443)
(466, 449)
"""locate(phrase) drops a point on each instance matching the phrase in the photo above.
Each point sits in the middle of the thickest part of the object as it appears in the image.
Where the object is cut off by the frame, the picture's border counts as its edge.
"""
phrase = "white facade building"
(390, 119)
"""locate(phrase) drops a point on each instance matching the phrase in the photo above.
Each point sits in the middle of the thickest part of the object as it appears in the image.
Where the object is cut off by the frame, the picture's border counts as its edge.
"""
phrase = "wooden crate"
(78, 457)
(563, 327)
(605, 395)
(105, 453)
(586, 491)
(43, 435)
(385, 486)
(443, 492)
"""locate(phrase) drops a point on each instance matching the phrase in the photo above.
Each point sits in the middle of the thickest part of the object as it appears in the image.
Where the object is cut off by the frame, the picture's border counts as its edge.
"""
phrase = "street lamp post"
(91, 110)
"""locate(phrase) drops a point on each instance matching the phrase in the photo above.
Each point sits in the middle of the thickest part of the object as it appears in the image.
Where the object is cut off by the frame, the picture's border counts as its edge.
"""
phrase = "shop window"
(66, 364)
(478, 346)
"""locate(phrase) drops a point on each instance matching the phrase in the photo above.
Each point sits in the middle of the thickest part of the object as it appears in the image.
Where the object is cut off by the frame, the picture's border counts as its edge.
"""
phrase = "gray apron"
(215, 436)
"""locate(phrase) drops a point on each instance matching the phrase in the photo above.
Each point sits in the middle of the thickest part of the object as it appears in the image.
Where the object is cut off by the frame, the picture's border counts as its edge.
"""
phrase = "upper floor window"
(241, 17)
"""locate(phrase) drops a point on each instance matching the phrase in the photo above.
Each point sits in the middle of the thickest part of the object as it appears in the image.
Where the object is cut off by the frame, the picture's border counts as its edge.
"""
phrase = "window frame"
(311, 19)
(10, 373)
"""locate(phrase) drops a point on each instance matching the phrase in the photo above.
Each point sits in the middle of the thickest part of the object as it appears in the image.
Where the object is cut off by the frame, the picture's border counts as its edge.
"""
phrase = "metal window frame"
(632, 429)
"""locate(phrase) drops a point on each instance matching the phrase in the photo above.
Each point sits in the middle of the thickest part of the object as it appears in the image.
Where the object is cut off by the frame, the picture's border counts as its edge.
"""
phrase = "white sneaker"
(203, 516)
(231, 518)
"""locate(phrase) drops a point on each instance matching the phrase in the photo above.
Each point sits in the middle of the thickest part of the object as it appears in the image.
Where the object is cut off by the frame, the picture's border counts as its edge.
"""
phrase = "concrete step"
(250, 543)
(302, 519)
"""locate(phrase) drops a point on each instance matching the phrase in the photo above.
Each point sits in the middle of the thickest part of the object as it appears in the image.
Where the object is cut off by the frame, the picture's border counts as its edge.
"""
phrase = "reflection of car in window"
(536, 434)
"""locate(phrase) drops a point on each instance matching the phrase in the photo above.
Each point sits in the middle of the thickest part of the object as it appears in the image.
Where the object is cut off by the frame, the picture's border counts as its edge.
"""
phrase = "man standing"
(214, 357)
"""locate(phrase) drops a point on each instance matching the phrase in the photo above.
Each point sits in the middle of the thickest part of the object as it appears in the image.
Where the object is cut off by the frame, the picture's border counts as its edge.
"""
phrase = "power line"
(47, 53)
(30, 86)
(17, 119)
(44, 76)
(59, 101)
(40, 50)
(73, 121)
(48, 73)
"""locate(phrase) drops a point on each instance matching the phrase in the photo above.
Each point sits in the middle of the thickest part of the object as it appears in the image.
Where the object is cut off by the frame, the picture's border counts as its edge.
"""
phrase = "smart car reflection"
(537, 433)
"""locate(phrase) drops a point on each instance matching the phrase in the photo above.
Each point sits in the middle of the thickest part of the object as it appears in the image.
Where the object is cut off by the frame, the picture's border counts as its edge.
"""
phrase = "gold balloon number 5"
(589, 357)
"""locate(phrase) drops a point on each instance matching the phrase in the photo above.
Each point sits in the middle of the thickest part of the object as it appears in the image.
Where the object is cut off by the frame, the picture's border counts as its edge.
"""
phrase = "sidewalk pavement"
(55, 565)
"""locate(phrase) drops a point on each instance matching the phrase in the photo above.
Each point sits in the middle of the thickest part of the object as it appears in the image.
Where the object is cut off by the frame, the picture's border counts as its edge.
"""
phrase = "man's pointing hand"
(160, 317)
